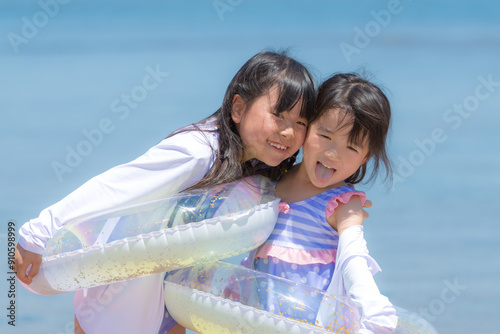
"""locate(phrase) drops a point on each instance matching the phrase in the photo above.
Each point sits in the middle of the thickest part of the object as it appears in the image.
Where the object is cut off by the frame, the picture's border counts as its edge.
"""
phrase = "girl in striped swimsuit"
(320, 209)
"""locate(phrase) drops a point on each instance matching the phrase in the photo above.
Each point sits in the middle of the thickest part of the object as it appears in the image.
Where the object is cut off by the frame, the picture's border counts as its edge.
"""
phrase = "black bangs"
(292, 87)
(359, 131)
(358, 134)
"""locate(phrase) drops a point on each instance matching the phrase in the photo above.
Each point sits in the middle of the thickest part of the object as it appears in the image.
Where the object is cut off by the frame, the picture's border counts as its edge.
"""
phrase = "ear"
(237, 108)
(365, 160)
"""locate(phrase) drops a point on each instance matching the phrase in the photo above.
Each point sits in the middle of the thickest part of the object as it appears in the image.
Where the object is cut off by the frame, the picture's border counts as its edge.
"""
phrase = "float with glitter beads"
(220, 297)
(175, 232)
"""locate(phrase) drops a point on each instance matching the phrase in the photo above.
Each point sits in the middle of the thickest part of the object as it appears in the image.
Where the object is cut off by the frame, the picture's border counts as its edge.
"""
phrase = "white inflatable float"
(219, 298)
(166, 234)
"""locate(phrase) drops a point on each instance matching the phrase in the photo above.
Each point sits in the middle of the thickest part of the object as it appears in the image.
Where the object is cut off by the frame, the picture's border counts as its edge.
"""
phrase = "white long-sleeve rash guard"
(353, 277)
(135, 306)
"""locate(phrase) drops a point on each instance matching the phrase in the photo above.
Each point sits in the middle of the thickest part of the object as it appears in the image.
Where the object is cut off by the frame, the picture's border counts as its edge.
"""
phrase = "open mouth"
(278, 146)
(323, 172)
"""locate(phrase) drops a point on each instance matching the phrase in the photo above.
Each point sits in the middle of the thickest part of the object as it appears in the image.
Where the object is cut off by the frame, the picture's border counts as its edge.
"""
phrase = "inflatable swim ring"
(222, 298)
(162, 235)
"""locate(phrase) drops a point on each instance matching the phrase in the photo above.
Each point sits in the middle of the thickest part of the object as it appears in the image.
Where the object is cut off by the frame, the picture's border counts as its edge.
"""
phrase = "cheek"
(308, 150)
(312, 144)
(300, 137)
(305, 144)
(264, 125)
(251, 130)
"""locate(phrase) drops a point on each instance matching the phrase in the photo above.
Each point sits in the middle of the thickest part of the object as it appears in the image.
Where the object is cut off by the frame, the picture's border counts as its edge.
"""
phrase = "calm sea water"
(435, 233)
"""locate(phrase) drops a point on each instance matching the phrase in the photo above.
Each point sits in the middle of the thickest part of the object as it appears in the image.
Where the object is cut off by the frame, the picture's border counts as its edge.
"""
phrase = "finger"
(33, 271)
(365, 214)
(19, 264)
(21, 273)
(368, 204)
(29, 279)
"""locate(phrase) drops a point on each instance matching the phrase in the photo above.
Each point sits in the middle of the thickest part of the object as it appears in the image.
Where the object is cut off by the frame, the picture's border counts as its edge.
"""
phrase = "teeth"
(281, 147)
(326, 166)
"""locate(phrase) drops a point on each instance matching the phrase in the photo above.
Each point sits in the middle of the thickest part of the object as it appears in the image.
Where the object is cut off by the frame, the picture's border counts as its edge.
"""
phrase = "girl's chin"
(275, 160)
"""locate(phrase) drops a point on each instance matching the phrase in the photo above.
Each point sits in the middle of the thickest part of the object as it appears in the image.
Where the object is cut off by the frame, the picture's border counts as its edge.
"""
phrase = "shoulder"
(341, 195)
(194, 142)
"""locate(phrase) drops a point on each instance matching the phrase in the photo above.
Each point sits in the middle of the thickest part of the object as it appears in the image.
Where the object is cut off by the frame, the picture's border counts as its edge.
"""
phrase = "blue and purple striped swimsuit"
(303, 246)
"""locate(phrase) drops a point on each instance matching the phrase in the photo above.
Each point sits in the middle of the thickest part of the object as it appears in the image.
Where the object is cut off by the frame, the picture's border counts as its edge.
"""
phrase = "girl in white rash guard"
(319, 208)
(258, 130)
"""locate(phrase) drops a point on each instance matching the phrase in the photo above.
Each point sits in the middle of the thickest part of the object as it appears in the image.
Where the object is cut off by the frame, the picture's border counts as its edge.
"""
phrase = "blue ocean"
(69, 69)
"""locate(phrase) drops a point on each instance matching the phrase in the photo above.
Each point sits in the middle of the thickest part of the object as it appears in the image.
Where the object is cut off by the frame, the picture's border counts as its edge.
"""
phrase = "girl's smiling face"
(329, 157)
(268, 135)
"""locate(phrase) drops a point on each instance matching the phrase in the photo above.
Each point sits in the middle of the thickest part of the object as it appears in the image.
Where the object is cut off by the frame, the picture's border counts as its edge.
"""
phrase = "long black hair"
(254, 79)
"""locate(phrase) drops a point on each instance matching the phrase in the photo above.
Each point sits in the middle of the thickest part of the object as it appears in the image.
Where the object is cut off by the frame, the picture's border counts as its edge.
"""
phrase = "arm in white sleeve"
(357, 269)
(173, 165)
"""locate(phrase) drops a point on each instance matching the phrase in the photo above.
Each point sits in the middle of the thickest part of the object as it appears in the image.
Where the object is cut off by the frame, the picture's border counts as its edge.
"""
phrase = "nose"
(332, 153)
(287, 131)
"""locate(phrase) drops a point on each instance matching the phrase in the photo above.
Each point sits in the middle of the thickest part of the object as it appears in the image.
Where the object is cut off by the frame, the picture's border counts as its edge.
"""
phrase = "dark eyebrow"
(322, 128)
(357, 142)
